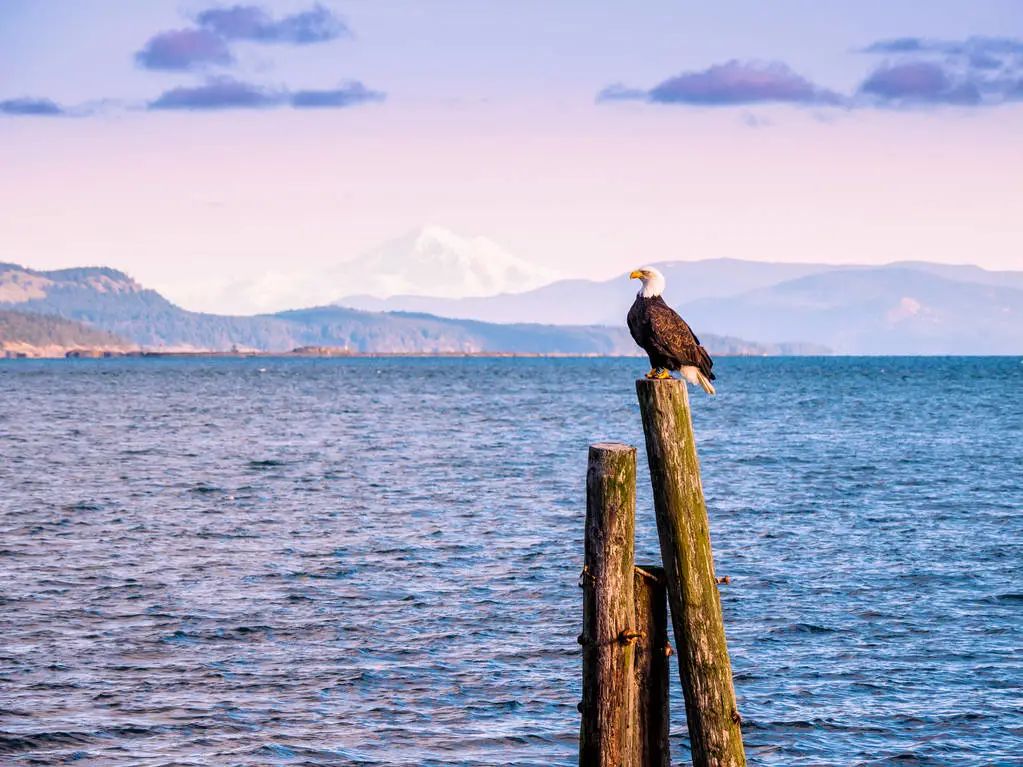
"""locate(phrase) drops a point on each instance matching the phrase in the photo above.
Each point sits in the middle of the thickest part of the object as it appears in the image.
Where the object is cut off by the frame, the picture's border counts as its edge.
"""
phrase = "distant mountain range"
(901, 308)
(909, 307)
(591, 302)
(107, 300)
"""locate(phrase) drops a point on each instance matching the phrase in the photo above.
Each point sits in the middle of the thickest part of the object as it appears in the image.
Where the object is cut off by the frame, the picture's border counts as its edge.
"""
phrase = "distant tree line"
(49, 330)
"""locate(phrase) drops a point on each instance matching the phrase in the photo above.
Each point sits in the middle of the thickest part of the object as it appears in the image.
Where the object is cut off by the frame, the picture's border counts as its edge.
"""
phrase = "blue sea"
(374, 561)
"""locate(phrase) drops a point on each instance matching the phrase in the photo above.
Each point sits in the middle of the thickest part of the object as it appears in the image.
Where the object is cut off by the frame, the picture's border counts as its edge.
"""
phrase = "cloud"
(219, 93)
(250, 22)
(622, 92)
(916, 72)
(751, 120)
(995, 46)
(208, 43)
(920, 82)
(984, 60)
(183, 49)
(895, 45)
(348, 94)
(30, 107)
(737, 82)
(227, 93)
(732, 83)
(977, 71)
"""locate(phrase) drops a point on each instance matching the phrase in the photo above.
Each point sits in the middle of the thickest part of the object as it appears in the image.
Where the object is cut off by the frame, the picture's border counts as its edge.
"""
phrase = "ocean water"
(374, 561)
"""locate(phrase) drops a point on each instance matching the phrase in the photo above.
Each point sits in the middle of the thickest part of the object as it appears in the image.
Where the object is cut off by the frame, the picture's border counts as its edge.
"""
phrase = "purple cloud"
(220, 93)
(348, 94)
(29, 107)
(918, 81)
(729, 84)
(621, 92)
(896, 45)
(227, 93)
(738, 82)
(977, 44)
(923, 83)
(917, 72)
(250, 22)
(751, 120)
(984, 60)
(977, 71)
(182, 49)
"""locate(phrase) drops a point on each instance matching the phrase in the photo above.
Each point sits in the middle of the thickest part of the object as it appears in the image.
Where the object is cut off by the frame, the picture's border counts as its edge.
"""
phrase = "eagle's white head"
(653, 281)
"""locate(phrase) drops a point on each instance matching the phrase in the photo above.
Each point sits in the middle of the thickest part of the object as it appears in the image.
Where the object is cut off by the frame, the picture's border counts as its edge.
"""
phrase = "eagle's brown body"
(668, 341)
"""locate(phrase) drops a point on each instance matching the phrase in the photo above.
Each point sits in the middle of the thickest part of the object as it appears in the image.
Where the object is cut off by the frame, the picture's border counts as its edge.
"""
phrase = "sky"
(204, 148)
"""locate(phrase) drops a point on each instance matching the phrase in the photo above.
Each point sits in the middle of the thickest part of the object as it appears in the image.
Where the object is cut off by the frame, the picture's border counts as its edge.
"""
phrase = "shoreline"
(6, 355)
(295, 353)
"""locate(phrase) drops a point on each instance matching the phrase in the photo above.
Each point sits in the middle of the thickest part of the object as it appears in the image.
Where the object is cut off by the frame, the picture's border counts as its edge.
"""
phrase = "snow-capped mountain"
(431, 262)
(437, 262)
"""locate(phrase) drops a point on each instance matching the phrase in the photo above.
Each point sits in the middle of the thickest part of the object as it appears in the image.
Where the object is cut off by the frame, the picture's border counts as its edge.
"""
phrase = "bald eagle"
(666, 338)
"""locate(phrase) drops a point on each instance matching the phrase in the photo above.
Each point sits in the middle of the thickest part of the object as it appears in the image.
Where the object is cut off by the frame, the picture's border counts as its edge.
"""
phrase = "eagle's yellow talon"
(663, 374)
(652, 373)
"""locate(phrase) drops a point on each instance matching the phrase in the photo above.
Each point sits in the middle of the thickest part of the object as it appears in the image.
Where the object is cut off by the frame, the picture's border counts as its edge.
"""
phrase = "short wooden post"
(651, 668)
(684, 534)
(608, 638)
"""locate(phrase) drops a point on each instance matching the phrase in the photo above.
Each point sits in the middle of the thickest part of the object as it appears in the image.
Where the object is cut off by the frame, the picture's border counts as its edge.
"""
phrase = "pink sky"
(190, 202)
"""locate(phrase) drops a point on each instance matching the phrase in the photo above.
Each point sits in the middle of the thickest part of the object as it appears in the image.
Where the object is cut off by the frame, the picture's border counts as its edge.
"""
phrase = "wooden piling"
(650, 741)
(608, 638)
(684, 534)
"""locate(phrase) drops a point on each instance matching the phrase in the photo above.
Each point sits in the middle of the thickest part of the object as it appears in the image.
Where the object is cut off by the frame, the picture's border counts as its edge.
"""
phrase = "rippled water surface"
(374, 562)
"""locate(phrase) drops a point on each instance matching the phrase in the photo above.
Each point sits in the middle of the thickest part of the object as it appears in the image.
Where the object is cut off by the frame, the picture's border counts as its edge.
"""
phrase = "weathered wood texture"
(684, 534)
(608, 705)
(650, 740)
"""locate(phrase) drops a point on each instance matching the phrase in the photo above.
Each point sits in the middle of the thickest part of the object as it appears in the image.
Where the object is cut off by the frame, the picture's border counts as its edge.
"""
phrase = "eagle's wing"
(674, 339)
(635, 322)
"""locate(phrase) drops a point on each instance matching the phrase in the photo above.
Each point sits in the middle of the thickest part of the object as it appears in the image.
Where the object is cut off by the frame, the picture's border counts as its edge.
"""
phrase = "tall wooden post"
(651, 669)
(608, 638)
(684, 534)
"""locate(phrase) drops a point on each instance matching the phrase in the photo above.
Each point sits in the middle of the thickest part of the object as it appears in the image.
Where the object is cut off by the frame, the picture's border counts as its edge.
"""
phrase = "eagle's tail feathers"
(696, 376)
(705, 383)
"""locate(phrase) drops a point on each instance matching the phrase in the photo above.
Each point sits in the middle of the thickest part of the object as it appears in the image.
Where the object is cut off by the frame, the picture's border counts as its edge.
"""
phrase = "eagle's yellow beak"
(636, 275)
